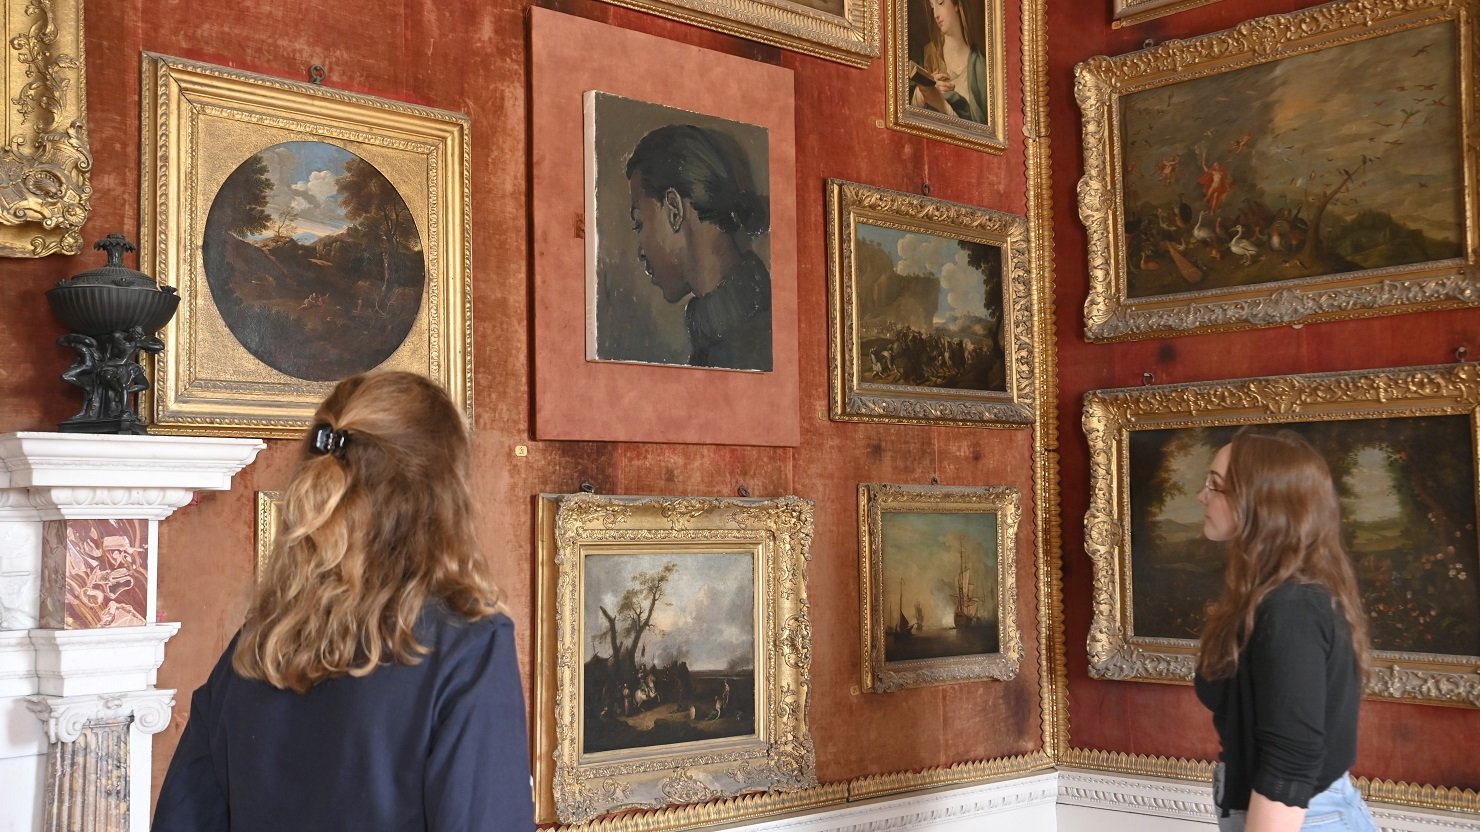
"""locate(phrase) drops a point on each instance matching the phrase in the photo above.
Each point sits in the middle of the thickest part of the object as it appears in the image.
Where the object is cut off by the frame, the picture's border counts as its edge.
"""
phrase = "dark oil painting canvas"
(929, 310)
(314, 260)
(669, 649)
(678, 258)
(1340, 160)
(940, 584)
(1407, 490)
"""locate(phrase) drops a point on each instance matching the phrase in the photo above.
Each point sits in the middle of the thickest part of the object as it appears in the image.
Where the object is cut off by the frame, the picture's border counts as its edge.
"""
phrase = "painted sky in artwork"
(305, 179)
(963, 286)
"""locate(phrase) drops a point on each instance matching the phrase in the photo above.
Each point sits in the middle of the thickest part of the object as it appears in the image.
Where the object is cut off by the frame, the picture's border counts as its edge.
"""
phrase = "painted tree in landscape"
(241, 203)
(371, 202)
(634, 618)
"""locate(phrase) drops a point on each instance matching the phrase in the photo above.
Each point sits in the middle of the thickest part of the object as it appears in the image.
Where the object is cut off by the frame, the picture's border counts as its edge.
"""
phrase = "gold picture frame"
(915, 59)
(1387, 434)
(269, 521)
(892, 362)
(905, 556)
(1211, 204)
(45, 162)
(705, 715)
(362, 211)
(846, 31)
(1131, 12)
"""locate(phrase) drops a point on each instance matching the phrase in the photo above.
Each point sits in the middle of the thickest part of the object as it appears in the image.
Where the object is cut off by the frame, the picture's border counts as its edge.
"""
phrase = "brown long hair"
(1288, 529)
(369, 534)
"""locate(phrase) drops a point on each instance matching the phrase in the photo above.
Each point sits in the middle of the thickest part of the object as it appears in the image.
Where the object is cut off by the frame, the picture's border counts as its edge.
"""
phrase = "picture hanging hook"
(316, 74)
(1148, 378)
(1461, 353)
(587, 487)
(742, 490)
(925, 189)
(934, 479)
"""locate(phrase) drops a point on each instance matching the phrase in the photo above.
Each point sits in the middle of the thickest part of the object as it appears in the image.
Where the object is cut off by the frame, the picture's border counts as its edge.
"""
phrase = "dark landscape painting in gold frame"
(312, 233)
(931, 310)
(1299, 167)
(1402, 449)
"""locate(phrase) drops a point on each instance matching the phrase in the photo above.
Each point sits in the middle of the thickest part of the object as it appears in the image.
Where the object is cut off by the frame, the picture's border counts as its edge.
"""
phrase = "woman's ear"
(673, 209)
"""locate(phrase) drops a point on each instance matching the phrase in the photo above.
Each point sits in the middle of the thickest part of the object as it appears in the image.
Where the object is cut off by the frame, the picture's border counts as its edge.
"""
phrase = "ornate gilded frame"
(856, 400)
(45, 163)
(849, 36)
(199, 122)
(1115, 651)
(1101, 83)
(1131, 12)
(876, 499)
(573, 786)
(269, 519)
(923, 121)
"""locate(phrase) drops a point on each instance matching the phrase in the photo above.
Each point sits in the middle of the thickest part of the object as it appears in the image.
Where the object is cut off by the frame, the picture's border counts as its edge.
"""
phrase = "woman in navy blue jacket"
(374, 683)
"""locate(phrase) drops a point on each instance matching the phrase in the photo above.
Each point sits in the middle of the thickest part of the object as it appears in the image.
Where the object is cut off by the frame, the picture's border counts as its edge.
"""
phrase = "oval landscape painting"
(314, 261)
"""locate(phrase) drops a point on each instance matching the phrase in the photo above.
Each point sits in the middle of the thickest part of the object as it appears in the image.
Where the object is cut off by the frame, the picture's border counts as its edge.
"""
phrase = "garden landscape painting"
(670, 649)
(314, 260)
(1408, 498)
(1339, 160)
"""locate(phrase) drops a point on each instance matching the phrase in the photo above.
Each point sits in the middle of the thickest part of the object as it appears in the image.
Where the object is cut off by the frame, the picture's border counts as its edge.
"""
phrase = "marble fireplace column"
(79, 640)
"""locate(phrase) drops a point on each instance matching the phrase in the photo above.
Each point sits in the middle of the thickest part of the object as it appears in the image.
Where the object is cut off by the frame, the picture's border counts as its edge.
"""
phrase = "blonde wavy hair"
(370, 534)
(1288, 530)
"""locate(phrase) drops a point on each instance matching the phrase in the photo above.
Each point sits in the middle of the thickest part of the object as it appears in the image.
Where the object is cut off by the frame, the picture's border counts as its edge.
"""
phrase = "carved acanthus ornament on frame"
(45, 164)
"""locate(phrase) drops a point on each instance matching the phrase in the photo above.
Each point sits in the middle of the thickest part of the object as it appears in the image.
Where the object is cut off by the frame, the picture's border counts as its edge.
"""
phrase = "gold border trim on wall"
(1100, 82)
(923, 121)
(1115, 652)
(205, 382)
(850, 38)
(269, 520)
(45, 162)
(874, 499)
(853, 400)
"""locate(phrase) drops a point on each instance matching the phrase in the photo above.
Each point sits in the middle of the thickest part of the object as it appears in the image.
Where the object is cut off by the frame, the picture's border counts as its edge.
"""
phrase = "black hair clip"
(326, 440)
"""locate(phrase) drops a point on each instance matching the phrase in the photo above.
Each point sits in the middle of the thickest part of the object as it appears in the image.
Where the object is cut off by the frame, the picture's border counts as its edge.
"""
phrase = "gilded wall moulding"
(1391, 437)
(45, 163)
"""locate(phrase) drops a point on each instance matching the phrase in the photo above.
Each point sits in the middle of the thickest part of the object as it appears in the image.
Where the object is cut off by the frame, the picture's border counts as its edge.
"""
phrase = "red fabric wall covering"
(1411, 743)
(471, 57)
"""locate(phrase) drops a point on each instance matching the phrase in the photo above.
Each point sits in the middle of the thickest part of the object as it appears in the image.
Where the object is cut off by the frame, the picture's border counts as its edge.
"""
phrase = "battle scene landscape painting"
(1339, 160)
(669, 649)
(1408, 498)
(314, 260)
(940, 584)
(929, 310)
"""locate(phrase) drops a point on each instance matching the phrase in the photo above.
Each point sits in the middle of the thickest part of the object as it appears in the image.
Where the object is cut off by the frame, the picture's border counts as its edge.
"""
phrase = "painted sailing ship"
(902, 628)
(965, 595)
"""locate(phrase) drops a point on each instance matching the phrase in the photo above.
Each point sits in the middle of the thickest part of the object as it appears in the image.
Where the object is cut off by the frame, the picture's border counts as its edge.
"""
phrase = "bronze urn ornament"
(114, 313)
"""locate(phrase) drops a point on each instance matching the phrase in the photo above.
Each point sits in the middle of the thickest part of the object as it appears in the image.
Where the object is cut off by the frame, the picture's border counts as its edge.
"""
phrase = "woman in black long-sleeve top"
(1283, 651)
(374, 684)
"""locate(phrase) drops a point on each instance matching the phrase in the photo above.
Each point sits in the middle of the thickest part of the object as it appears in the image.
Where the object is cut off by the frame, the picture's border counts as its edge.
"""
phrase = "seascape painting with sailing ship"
(941, 580)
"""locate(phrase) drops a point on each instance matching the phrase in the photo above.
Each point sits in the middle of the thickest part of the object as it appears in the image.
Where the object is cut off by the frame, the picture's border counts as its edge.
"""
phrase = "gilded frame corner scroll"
(45, 162)
(1131, 12)
(879, 613)
(603, 755)
(858, 391)
(1376, 398)
(1207, 218)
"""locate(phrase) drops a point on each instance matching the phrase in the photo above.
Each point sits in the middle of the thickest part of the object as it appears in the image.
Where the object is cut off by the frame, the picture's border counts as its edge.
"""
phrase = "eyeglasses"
(1214, 486)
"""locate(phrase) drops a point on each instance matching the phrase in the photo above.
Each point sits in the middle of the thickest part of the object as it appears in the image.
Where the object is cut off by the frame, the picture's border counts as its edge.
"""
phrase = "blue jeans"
(1339, 808)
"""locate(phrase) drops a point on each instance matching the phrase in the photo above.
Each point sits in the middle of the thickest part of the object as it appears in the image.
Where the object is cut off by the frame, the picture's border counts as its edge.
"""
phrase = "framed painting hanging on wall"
(676, 644)
(1401, 445)
(932, 310)
(1300, 167)
(938, 569)
(313, 235)
(947, 71)
(846, 31)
